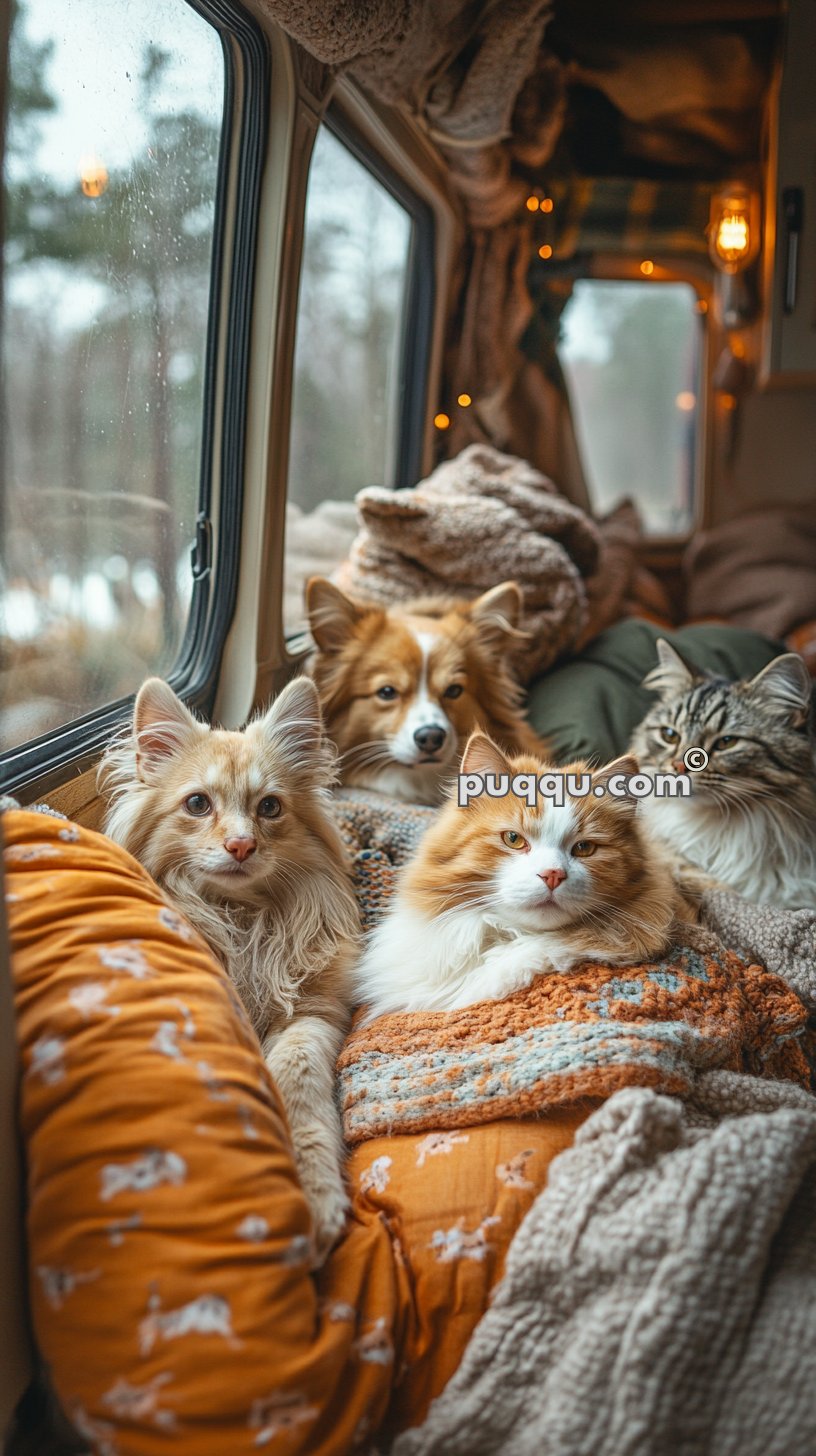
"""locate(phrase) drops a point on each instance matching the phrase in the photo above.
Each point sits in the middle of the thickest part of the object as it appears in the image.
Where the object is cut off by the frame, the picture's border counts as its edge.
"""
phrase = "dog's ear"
(332, 615)
(497, 613)
(483, 756)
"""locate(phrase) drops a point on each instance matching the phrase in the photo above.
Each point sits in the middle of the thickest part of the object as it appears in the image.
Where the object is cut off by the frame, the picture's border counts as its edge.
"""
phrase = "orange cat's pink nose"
(552, 878)
(241, 846)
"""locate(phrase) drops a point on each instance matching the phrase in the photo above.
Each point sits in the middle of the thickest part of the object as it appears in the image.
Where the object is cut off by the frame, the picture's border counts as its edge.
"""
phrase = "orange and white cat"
(235, 827)
(402, 687)
(500, 892)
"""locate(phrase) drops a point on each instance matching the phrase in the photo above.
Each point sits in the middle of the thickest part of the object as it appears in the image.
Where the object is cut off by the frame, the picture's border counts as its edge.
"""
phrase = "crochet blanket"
(569, 1037)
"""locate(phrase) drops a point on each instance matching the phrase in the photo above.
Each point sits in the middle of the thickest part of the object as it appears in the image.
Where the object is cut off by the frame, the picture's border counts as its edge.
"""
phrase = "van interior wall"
(770, 460)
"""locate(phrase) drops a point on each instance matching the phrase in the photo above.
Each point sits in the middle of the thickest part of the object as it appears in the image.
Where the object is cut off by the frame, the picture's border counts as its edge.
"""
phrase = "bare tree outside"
(109, 198)
(349, 333)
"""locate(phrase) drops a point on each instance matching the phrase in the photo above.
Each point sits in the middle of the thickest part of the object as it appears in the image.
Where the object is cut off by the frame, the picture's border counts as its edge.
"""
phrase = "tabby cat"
(750, 820)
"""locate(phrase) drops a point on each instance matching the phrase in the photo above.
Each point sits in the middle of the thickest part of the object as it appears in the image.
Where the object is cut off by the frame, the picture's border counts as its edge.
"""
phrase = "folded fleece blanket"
(483, 518)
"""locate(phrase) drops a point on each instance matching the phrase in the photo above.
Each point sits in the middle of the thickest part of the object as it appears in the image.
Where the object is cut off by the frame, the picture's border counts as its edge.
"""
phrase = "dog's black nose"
(430, 739)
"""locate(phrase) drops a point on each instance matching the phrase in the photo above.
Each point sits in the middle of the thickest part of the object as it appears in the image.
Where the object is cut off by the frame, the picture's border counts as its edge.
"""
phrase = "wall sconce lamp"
(733, 227)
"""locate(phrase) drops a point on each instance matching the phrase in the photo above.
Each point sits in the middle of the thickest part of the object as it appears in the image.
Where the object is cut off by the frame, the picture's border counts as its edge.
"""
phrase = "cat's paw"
(330, 1204)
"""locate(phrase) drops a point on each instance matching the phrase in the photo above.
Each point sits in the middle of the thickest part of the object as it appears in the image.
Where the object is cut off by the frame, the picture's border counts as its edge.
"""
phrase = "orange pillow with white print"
(169, 1240)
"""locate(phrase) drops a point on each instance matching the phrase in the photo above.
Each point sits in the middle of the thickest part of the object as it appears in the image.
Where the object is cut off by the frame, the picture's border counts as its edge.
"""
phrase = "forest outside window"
(345, 407)
(631, 352)
(110, 178)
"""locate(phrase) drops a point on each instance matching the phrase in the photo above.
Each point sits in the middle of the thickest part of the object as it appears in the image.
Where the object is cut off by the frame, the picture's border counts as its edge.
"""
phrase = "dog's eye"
(198, 805)
(514, 840)
(582, 848)
(669, 735)
(454, 691)
(387, 694)
(269, 807)
(724, 742)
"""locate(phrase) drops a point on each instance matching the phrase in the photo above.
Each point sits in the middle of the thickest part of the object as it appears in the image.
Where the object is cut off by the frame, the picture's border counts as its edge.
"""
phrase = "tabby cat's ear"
(785, 684)
(162, 727)
(673, 675)
(293, 722)
(483, 756)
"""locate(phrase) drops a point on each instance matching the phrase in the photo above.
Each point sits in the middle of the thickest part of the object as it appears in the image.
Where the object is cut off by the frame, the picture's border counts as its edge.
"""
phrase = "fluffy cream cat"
(235, 827)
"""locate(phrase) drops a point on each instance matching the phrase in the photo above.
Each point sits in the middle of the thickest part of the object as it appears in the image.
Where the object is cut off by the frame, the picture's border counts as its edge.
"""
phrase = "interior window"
(111, 167)
(631, 353)
(346, 370)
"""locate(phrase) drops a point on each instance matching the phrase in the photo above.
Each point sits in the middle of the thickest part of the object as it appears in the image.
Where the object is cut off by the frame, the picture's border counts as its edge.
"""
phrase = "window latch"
(201, 550)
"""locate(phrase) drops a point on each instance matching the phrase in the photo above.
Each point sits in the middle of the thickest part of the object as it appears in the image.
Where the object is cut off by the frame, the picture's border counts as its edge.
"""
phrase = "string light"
(441, 420)
(532, 204)
(647, 267)
(686, 401)
(547, 204)
(464, 400)
(545, 251)
(93, 176)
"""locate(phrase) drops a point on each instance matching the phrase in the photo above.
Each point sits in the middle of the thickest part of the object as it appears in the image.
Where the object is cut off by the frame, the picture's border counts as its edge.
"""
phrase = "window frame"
(41, 763)
(609, 268)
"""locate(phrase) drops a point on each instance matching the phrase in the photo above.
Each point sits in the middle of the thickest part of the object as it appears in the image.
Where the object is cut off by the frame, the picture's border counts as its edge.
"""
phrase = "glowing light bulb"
(647, 267)
(441, 420)
(547, 204)
(545, 251)
(733, 228)
(686, 401)
(464, 400)
(532, 204)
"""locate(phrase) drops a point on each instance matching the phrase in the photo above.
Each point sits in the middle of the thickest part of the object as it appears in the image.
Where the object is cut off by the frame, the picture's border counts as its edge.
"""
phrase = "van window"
(631, 354)
(111, 169)
(345, 405)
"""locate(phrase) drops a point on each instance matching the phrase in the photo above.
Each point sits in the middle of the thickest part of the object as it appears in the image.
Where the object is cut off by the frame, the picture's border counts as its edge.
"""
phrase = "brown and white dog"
(401, 688)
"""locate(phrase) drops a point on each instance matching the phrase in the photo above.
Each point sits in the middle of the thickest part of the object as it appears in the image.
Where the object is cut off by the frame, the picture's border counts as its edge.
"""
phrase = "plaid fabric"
(624, 215)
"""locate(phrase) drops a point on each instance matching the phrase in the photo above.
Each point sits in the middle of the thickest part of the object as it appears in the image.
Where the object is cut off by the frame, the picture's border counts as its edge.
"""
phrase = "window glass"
(111, 165)
(631, 355)
(347, 355)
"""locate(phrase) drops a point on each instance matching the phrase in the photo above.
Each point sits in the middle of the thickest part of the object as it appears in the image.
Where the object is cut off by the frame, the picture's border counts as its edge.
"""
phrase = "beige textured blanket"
(660, 1297)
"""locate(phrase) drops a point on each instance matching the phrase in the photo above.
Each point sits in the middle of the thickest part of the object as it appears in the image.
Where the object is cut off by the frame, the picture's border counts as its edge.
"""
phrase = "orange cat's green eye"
(514, 840)
(198, 805)
(582, 848)
(269, 807)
